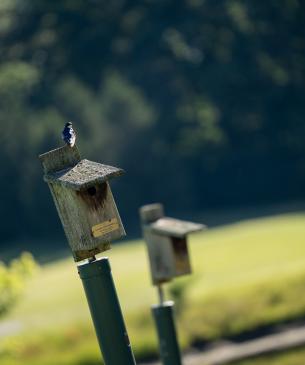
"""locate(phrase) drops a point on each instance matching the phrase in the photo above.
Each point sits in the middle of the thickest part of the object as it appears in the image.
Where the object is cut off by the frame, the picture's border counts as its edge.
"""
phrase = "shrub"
(13, 278)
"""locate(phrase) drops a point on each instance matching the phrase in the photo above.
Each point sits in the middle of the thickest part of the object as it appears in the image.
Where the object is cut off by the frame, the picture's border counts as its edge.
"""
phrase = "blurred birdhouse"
(83, 199)
(166, 240)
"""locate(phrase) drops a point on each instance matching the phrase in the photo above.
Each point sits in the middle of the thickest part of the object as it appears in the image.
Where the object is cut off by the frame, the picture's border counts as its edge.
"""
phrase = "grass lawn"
(246, 275)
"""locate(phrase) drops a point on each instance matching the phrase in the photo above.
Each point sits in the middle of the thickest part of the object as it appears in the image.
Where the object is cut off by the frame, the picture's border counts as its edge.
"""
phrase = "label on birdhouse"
(105, 227)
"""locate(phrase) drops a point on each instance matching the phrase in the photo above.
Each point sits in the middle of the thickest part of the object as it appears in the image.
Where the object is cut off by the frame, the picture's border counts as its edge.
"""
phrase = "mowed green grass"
(246, 275)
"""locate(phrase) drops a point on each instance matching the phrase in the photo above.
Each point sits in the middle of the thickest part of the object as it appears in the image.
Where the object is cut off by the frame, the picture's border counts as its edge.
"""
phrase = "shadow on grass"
(255, 333)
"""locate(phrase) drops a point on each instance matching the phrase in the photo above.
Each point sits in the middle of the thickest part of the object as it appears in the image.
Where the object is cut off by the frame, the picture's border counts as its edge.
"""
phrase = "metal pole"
(160, 294)
(106, 312)
(168, 343)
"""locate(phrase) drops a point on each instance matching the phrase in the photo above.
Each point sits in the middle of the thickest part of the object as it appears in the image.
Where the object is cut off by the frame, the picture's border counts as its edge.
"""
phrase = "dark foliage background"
(200, 101)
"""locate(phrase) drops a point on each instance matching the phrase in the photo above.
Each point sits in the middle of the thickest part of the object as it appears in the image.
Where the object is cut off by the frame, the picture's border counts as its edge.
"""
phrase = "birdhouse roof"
(83, 175)
(175, 227)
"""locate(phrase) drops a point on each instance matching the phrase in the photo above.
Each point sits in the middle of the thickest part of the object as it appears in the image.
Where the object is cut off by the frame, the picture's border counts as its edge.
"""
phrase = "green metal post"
(106, 312)
(164, 319)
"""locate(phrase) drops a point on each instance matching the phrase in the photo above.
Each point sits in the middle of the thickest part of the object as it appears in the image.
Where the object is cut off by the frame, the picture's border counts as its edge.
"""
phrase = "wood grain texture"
(80, 211)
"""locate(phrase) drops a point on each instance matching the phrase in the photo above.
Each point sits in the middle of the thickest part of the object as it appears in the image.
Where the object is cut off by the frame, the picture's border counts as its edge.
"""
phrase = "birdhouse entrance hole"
(95, 196)
(92, 191)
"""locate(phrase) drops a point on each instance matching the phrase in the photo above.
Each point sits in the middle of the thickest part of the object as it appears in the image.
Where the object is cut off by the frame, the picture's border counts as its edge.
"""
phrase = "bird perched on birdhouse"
(68, 134)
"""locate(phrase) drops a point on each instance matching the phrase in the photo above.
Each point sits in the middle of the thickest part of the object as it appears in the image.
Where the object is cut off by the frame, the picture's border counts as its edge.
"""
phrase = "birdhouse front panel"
(89, 217)
(160, 256)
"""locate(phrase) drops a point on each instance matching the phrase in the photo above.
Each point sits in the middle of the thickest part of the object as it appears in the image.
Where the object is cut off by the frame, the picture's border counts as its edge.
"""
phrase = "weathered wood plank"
(60, 158)
(83, 175)
(160, 256)
(151, 212)
(81, 211)
(175, 227)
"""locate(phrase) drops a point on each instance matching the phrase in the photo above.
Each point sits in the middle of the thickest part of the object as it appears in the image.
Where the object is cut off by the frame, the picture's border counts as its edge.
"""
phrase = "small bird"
(68, 134)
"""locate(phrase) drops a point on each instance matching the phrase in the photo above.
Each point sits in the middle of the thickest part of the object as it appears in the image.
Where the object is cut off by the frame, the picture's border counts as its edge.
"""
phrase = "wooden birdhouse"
(83, 198)
(166, 240)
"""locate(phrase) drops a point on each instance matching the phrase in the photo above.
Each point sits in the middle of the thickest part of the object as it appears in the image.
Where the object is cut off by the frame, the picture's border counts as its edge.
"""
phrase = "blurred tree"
(197, 91)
